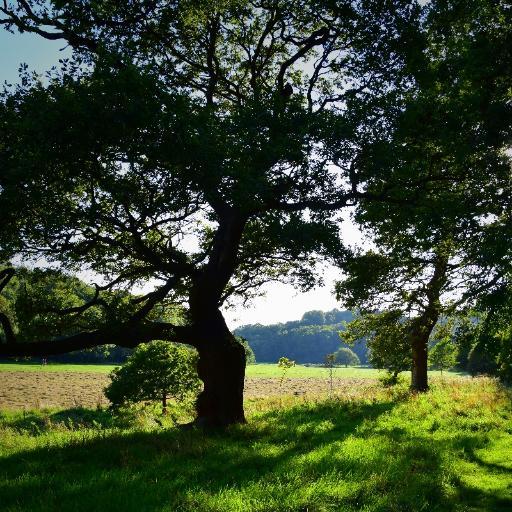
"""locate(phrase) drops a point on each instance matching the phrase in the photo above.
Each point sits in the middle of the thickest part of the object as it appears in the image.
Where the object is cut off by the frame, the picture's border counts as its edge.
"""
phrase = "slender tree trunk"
(424, 324)
(221, 367)
(419, 378)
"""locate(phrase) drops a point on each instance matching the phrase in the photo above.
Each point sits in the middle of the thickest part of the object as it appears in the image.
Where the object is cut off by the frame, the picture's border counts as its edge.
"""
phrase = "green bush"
(154, 372)
(346, 357)
(481, 361)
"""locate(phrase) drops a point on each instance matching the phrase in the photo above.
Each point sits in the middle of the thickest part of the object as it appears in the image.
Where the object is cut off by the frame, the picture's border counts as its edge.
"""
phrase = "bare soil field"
(36, 390)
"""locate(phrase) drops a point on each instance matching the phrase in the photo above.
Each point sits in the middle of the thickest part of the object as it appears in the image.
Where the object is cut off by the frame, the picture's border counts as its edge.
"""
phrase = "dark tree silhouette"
(202, 147)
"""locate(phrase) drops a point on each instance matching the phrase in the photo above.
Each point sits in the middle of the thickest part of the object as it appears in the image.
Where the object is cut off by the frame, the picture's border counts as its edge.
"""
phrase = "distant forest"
(307, 340)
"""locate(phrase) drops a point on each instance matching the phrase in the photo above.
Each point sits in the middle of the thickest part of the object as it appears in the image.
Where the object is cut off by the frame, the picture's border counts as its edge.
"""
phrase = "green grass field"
(263, 370)
(383, 450)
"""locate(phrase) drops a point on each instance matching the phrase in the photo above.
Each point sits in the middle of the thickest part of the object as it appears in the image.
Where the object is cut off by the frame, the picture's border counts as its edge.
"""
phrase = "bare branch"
(317, 38)
(95, 301)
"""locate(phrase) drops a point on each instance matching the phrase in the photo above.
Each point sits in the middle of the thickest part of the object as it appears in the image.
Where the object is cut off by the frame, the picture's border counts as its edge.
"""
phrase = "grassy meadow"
(366, 449)
(263, 370)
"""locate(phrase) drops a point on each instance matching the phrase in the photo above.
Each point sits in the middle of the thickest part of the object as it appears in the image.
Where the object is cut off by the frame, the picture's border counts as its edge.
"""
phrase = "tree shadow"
(40, 422)
(314, 456)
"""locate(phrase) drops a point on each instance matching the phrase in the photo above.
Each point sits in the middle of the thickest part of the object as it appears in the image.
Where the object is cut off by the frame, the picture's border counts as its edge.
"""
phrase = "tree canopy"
(448, 248)
(206, 147)
(209, 147)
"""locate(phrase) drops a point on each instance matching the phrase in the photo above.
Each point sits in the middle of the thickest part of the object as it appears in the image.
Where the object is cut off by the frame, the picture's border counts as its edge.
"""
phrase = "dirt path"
(33, 390)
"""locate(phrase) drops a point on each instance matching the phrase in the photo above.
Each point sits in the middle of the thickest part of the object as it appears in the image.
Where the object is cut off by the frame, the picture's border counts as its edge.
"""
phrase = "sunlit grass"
(374, 449)
(264, 370)
(56, 367)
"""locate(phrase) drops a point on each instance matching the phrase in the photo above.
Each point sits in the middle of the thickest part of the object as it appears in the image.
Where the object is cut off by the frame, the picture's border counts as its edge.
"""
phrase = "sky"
(281, 302)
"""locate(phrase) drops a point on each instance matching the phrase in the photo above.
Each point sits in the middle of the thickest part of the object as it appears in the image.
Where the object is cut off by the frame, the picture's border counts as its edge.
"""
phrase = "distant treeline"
(307, 340)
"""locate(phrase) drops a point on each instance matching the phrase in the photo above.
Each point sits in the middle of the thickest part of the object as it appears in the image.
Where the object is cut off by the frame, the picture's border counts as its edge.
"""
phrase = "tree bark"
(164, 402)
(423, 325)
(419, 378)
(221, 367)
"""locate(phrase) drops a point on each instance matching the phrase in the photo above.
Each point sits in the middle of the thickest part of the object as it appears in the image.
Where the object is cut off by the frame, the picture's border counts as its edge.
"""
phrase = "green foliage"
(346, 357)
(154, 372)
(481, 361)
(390, 379)
(443, 353)
(284, 364)
(35, 297)
(378, 450)
(176, 143)
(387, 339)
(484, 336)
(46, 303)
(450, 239)
(250, 358)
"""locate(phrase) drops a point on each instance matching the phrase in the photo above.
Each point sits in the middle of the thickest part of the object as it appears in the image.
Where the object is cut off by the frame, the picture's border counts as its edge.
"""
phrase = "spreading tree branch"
(127, 335)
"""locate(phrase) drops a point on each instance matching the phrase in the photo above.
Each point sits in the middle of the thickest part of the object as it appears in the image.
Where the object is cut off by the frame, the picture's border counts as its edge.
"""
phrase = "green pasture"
(263, 370)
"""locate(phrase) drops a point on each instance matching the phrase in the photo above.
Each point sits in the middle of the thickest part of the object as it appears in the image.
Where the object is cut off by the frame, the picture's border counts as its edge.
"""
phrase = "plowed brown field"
(34, 390)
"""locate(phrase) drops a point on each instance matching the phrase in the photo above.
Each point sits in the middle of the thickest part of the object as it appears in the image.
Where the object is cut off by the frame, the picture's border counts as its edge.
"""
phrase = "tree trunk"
(221, 367)
(221, 364)
(419, 378)
(424, 324)
(420, 334)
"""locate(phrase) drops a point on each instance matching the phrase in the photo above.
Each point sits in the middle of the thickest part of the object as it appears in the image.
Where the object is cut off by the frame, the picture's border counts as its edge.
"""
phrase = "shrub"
(154, 372)
(284, 364)
(346, 357)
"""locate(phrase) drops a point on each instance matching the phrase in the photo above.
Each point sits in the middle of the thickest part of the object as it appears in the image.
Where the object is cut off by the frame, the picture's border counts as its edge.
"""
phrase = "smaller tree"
(284, 364)
(329, 363)
(443, 354)
(346, 357)
(387, 340)
(154, 371)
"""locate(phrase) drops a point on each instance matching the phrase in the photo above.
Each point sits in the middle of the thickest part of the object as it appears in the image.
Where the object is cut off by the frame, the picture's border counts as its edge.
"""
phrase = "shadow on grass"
(310, 457)
(39, 422)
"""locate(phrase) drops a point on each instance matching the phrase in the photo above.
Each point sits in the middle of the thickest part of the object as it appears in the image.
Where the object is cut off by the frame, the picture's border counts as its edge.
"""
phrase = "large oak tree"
(203, 146)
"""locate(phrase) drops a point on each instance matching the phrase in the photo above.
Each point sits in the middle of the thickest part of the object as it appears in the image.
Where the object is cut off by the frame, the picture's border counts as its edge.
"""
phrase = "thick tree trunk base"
(221, 367)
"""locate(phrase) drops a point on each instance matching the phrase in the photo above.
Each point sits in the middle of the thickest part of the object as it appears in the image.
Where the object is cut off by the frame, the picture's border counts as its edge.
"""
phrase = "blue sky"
(281, 302)
(33, 50)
